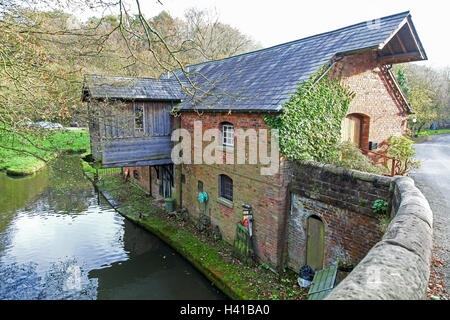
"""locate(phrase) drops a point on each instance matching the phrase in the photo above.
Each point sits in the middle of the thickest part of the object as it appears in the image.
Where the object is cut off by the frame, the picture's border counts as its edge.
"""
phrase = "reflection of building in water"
(153, 271)
(138, 241)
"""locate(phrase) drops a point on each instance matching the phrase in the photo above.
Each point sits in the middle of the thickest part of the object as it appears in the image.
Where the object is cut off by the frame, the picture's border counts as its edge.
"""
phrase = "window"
(139, 117)
(225, 187)
(227, 134)
(200, 186)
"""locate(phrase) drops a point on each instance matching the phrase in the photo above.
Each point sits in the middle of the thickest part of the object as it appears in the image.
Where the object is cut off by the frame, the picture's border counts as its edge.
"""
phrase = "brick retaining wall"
(397, 267)
(342, 199)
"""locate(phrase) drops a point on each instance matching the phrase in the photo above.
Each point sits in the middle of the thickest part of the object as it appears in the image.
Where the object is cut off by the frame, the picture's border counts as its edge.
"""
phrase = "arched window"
(227, 134)
(225, 187)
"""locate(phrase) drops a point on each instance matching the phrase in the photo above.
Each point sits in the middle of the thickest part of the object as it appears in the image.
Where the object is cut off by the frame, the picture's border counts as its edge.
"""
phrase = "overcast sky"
(271, 22)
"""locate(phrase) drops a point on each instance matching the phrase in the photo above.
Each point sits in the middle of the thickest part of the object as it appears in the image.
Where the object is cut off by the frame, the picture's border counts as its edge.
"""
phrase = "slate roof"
(258, 81)
(132, 88)
(264, 79)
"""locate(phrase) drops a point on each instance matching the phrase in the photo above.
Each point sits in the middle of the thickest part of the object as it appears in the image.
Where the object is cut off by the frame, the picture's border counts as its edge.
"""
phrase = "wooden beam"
(390, 49)
(401, 43)
(412, 55)
(138, 163)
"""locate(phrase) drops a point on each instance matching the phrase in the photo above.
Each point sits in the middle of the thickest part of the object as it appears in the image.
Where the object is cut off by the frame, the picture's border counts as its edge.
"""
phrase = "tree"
(428, 92)
(45, 52)
(209, 39)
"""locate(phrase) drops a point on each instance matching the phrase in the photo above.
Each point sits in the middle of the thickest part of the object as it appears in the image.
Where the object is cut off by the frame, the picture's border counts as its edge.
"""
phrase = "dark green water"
(60, 240)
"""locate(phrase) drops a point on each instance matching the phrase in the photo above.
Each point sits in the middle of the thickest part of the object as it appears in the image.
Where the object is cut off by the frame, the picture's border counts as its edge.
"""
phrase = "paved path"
(433, 179)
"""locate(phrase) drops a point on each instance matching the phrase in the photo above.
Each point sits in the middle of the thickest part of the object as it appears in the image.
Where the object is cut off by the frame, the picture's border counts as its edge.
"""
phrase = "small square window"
(225, 187)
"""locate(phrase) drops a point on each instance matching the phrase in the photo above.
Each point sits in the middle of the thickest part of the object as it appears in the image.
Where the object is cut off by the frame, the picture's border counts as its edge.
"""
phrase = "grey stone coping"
(397, 267)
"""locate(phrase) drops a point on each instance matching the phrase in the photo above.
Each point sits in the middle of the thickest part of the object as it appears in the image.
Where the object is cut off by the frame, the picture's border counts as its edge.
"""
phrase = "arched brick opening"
(356, 129)
(315, 242)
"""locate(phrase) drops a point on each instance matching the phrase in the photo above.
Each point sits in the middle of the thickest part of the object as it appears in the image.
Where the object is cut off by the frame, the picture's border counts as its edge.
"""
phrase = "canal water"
(59, 239)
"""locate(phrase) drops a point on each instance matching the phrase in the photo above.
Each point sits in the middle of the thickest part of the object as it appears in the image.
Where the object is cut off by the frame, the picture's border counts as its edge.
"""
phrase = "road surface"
(433, 179)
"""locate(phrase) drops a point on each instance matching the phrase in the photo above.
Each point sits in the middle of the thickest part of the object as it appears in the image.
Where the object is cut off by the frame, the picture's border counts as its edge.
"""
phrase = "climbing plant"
(310, 123)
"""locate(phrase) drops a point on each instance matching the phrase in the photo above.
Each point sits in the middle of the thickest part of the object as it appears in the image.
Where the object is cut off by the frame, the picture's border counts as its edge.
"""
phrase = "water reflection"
(60, 242)
(17, 192)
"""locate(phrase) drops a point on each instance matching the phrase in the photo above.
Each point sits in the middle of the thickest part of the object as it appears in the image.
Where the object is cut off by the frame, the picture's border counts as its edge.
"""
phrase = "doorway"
(166, 183)
(355, 129)
(315, 243)
(352, 129)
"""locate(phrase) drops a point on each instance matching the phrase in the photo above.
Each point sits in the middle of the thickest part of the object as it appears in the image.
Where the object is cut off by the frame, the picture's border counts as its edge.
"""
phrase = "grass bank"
(426, 133)
(212, 257)
(24, 155)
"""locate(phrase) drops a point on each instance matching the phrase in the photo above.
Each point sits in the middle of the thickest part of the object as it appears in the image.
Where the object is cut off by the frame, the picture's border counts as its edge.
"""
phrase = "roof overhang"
(402, 45)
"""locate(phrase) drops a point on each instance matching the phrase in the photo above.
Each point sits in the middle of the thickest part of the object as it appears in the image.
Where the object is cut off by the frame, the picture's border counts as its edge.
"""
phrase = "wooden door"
(315, 243)
(352, 129)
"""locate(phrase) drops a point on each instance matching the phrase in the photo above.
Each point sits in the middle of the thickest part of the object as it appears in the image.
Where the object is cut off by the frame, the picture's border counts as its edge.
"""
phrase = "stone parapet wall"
(397, 267)
(343, 188)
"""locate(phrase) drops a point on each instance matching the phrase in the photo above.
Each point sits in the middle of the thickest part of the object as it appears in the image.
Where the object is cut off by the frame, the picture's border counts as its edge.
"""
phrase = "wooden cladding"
(137, 133)
(157, 119)
(137, 119)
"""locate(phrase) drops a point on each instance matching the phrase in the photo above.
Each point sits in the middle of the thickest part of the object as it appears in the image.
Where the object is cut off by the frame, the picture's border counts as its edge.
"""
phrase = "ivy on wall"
(310, 123)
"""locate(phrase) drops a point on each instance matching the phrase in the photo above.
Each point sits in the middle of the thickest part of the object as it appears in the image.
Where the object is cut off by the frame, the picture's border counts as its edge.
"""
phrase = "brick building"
(235, 93)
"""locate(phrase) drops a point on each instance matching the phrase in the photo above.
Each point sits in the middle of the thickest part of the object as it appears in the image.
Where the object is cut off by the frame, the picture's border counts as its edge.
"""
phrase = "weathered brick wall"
(342, 199)
(373, 96)
(143, 178)
(266, 194)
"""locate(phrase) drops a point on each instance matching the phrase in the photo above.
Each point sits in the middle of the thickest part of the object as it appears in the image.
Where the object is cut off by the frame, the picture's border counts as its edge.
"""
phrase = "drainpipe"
(181, 171)
(328, 69)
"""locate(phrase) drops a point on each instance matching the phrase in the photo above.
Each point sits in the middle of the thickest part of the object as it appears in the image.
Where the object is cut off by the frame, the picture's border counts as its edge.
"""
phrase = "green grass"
(45, 146)
(426, 133)
(214, 258)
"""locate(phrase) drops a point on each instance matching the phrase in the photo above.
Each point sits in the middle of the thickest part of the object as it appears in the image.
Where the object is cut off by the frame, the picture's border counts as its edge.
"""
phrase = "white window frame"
(227, 135)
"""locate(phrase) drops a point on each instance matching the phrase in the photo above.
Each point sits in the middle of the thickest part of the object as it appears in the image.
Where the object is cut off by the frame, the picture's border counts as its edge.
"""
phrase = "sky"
(278, 21)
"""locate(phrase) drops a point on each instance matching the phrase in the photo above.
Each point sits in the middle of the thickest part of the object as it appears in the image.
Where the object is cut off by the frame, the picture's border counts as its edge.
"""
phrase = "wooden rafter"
(401, 43)
(415, 55)
(390, 49)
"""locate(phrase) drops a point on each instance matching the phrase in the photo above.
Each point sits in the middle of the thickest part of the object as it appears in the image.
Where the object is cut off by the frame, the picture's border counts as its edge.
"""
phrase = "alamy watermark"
(73, 281)
(249, 146)
(374, 24)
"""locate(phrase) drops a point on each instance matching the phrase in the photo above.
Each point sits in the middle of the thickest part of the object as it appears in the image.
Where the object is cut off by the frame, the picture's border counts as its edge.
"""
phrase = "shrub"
(351, 157)
(380, 206)
(401, 148)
